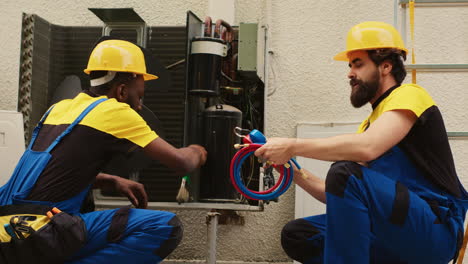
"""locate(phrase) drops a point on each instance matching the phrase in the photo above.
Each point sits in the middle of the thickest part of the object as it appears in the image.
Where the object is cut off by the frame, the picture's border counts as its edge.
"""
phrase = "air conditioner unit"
(168, 49)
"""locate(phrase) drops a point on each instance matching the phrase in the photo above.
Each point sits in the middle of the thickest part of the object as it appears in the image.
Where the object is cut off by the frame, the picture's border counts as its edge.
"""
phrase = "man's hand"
(134, 191)
(202, 153)
(277, 150)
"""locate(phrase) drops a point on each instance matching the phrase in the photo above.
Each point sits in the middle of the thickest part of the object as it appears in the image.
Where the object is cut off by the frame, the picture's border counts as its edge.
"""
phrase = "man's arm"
(134, 191)
(180, 159)
(387, 131)
(312, 184)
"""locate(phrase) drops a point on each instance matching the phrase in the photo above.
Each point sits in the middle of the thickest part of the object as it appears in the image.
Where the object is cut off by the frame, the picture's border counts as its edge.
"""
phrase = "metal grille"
(167, 44)
(165, 98)
(69, 52)
(24, 93)
(51, 52)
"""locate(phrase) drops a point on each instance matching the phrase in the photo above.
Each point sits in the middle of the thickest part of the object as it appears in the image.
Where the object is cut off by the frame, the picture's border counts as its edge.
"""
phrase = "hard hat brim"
(146, 76)
(149, 77)
(343, 56)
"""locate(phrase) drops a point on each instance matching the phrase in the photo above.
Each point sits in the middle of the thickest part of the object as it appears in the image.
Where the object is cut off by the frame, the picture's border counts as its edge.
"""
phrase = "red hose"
(241, 154)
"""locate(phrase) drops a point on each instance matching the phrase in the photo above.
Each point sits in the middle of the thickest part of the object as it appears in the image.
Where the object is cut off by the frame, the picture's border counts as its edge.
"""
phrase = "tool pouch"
(29, 235)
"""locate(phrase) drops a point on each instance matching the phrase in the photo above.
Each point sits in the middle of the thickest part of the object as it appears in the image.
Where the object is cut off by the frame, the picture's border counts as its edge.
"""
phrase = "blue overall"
(384, 213)
(146, 236)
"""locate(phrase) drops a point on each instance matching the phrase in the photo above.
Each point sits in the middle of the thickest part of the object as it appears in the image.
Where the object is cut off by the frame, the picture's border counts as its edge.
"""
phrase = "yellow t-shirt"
(111, 128)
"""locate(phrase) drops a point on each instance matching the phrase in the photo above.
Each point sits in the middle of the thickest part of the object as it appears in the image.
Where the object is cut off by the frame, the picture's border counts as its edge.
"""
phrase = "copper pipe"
(207, 27)
(226, 25)
(233, 67)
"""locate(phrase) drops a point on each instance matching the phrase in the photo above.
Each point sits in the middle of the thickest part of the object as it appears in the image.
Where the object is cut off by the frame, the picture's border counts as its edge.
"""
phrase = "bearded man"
(392, 195)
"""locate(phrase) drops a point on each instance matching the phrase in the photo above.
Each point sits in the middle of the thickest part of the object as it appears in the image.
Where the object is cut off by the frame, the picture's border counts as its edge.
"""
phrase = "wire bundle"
(283, 183)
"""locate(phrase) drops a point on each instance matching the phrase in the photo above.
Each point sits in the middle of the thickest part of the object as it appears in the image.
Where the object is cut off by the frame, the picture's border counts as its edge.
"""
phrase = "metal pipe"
(207, 32)
(446, 2)
(457, 135)
(438, 67)
(175, 64)
(212, 228)
(395, 13)
(228, 27)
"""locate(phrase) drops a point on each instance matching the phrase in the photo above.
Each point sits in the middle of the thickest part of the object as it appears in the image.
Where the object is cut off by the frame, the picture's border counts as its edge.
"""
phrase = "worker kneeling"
(392, 195)
(71, 144)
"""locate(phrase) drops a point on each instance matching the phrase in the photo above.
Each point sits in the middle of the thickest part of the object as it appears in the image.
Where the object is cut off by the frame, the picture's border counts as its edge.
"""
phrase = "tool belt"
(33, 233)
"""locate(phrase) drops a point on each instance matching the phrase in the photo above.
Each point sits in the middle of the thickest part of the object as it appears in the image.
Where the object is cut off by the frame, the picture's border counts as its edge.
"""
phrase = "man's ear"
(121, 92)
(386, 67)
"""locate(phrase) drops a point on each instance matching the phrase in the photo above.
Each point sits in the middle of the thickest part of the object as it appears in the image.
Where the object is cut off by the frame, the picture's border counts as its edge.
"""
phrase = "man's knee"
(173, 240)
(338, 176)
(301, 240)
(177, 229)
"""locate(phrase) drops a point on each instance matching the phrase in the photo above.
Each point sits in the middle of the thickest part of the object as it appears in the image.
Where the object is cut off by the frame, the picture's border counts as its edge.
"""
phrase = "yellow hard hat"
(119, 56)
(371, 35)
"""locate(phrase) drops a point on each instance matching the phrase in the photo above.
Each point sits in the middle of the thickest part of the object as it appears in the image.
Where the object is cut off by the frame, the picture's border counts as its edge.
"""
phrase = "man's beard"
(365, 91)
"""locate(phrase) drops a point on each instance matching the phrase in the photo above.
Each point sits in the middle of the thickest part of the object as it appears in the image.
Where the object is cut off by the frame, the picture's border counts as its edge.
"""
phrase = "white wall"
(308, 85)
(311, 87)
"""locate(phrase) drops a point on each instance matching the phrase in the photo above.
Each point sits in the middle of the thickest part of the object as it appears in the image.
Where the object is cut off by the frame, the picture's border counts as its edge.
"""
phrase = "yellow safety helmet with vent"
(119, 56)
(371, 35)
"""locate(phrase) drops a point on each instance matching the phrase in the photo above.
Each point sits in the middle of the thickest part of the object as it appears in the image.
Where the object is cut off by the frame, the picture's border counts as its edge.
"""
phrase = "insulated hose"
(252, 142)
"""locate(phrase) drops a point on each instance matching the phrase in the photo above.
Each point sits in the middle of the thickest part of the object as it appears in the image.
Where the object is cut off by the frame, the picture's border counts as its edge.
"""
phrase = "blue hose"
(238, 160)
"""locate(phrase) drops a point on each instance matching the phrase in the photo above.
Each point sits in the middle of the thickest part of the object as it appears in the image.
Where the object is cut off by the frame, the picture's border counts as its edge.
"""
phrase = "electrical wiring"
(272, 81)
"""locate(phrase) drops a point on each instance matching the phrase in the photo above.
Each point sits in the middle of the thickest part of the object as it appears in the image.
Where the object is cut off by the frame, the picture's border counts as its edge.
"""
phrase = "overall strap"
(38, 127)
(72, 125)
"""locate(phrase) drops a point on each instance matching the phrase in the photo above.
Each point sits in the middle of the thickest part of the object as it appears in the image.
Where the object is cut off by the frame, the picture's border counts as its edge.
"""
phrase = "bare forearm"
(312, 184)
(182, 160)
(103, 180)
(387, 131)
(353, 147)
